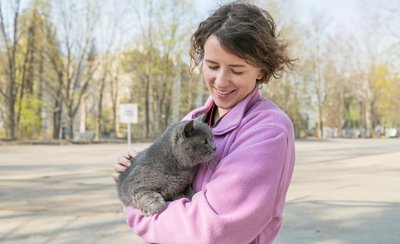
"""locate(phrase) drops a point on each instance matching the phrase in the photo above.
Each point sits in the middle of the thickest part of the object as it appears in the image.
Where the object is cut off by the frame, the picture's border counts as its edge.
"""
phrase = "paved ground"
(343, 191)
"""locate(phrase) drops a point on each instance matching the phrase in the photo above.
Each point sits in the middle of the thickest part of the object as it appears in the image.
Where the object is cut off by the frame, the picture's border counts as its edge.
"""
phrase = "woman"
(240, 194)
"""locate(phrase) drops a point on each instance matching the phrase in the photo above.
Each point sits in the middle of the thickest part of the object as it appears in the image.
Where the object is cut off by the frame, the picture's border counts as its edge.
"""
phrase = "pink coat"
(240, 194)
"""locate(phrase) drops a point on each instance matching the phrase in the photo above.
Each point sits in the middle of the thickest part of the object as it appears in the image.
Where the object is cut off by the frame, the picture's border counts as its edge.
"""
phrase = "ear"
(187, 128)
(260, 75)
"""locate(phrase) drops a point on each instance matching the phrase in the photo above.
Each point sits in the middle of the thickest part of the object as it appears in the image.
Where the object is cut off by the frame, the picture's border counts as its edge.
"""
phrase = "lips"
(223, 93)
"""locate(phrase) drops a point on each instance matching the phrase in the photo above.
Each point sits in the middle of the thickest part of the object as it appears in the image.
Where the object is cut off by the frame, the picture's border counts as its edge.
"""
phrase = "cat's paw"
(156, 206)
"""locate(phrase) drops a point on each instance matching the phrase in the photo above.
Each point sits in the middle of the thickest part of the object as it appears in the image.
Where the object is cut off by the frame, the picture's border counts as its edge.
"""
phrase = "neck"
(220, 112)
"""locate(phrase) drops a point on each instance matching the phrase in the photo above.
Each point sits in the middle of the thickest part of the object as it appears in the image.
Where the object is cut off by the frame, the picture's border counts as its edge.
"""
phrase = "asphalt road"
(343, 191)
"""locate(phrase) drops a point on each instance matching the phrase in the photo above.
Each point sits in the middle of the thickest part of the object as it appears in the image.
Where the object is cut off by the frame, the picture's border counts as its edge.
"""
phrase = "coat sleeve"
(242, 197)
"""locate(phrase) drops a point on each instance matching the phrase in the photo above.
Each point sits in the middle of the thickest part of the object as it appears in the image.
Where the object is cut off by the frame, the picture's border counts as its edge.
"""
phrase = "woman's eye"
(213, 67)
(237, 72)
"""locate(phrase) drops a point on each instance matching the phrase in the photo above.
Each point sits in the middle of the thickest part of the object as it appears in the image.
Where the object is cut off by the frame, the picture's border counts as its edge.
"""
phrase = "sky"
(353, 16)
(340, 14)
(340, 10)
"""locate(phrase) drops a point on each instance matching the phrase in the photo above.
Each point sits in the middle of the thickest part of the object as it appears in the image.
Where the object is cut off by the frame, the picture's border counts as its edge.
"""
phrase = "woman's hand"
(124, 162)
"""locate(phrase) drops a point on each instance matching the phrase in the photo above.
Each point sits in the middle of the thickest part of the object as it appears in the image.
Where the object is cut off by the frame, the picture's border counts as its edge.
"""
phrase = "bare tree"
(370, 75)
(114, 95)
(161, 39)
(75, 68)
(314, 63)
(110, 32)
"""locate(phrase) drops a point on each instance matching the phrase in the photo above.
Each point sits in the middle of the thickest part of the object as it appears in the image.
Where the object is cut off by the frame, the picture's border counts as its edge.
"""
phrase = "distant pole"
(128, 114)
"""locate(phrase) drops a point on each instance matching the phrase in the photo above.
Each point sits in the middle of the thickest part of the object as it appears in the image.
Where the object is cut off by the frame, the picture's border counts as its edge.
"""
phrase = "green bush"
(31, 121)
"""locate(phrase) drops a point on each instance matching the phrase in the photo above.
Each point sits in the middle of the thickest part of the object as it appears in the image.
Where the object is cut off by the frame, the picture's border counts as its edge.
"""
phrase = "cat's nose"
(213, 147)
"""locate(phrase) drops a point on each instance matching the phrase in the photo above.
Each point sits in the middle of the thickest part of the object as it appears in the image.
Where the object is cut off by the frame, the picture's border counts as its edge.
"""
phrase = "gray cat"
(165, 170)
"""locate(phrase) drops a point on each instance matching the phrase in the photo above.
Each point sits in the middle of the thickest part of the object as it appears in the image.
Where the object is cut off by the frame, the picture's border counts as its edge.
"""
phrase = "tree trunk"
(11, 119)
(176, 96)
(70, 124)
(114, 98)
(147, 106)
(57, 120)
(100, 108)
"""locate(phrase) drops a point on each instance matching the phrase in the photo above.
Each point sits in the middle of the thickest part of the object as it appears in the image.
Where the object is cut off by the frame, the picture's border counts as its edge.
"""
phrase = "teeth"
(223, 92)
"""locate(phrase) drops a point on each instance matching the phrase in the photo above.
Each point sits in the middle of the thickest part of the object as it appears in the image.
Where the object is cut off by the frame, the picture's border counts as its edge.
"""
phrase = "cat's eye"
(205, 142)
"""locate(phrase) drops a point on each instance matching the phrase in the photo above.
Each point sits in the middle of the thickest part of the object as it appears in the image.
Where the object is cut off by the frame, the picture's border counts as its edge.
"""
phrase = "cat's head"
(193, 142)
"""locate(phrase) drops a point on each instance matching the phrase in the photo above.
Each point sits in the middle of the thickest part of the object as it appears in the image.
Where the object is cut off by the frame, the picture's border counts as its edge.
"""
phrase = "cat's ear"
(202, 118)
(187, 128)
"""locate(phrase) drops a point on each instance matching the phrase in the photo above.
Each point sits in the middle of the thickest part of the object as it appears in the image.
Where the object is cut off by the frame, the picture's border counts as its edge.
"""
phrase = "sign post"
(128, 114)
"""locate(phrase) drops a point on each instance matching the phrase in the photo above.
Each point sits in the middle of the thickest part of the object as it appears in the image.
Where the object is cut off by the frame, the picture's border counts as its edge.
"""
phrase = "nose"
(221, 79)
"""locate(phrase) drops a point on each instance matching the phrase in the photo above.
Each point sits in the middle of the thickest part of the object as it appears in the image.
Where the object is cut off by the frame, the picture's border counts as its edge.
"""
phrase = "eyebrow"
(230, 65)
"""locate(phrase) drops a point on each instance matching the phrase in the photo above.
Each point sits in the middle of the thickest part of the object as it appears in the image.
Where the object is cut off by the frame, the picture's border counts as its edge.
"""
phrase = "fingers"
(118, 169)
(124, 160)
(132, 153)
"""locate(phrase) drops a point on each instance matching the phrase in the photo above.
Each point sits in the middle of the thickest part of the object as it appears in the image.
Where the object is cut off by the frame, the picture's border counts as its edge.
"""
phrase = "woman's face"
(229, 79)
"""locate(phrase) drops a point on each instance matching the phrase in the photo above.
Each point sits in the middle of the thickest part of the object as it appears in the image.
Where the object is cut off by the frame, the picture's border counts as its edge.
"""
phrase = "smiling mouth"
(223, 93)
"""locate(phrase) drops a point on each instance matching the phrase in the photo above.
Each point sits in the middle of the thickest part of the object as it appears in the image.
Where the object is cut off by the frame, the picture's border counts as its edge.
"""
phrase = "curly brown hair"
(246, 31)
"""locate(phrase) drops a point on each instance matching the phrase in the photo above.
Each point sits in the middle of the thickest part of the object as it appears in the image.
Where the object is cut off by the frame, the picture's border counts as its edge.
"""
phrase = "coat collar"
(233, 118)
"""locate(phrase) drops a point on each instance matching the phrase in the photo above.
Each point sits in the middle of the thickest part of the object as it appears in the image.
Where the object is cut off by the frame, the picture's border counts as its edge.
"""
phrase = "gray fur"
(166, 169)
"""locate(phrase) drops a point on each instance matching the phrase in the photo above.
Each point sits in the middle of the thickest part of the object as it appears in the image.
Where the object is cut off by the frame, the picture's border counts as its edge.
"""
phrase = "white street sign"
(128, 113)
